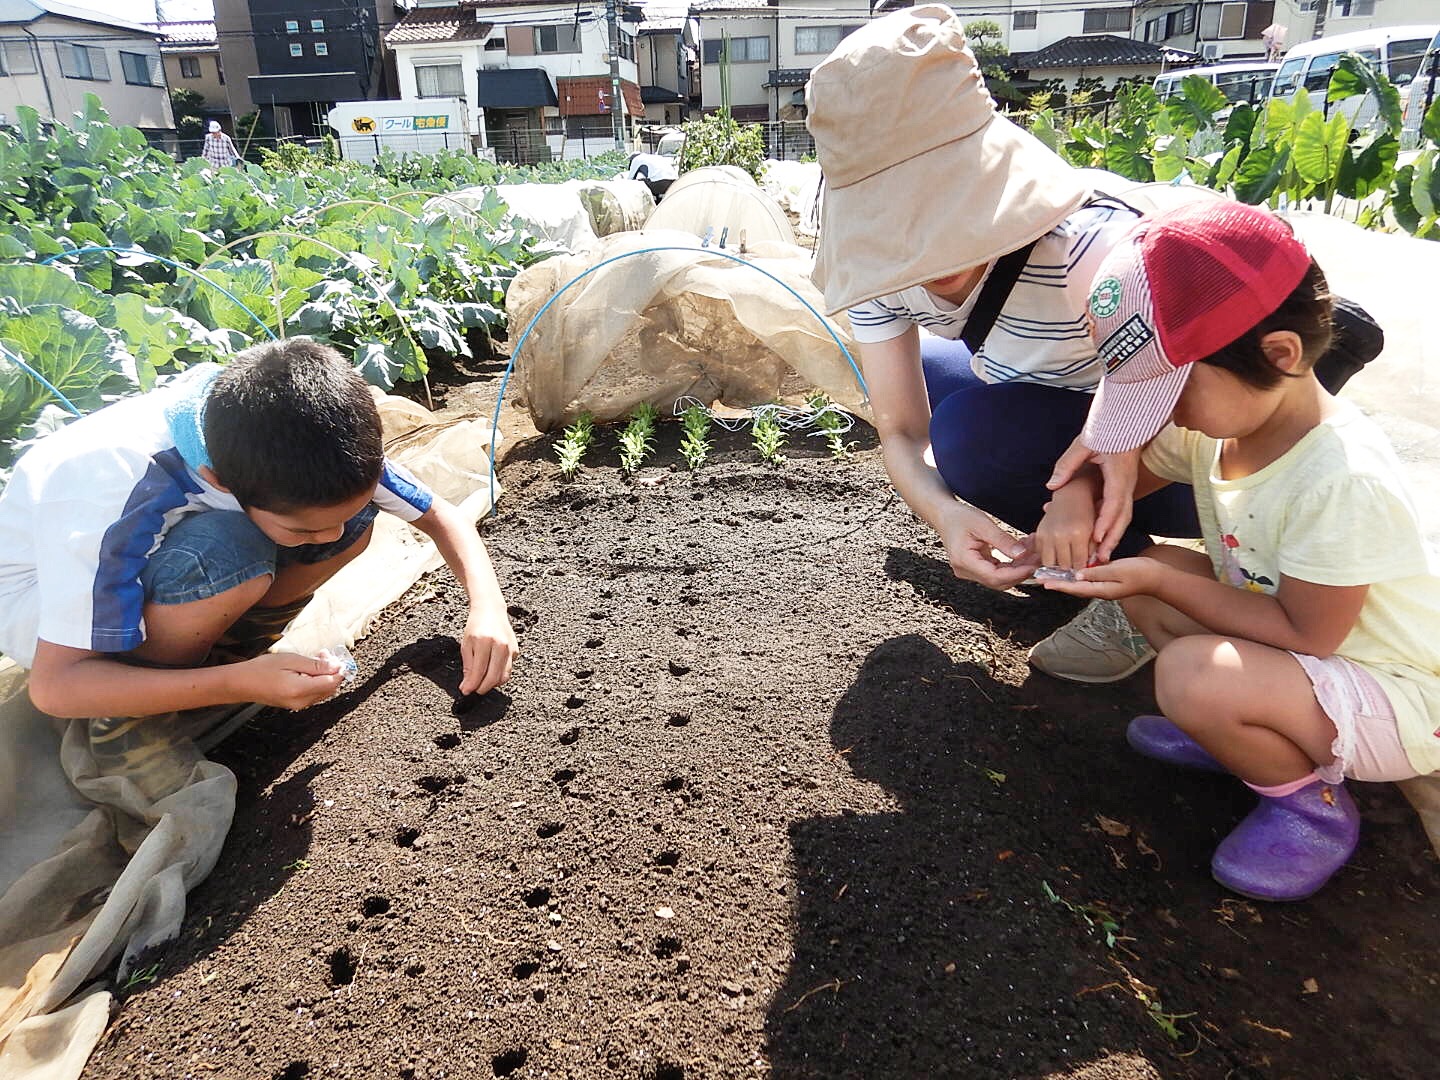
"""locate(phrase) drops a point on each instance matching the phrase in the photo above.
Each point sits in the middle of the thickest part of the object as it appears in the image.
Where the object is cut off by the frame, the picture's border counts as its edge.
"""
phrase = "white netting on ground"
(716, 201)
(795, 185)
(569, 215)
(663, 325)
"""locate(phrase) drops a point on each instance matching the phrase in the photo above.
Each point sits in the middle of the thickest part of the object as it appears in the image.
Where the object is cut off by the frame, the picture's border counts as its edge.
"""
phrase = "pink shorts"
(1367, 739)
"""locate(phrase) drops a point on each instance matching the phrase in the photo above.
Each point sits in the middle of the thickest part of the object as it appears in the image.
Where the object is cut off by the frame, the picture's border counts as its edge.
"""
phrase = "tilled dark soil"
(770, 794)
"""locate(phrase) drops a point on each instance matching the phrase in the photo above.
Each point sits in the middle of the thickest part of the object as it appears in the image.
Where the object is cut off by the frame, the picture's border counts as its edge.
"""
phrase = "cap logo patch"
(1132, 336)
(1105, 300)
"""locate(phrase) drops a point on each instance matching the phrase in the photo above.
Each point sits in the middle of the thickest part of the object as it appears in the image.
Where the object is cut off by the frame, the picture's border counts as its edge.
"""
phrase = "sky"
(144, 10)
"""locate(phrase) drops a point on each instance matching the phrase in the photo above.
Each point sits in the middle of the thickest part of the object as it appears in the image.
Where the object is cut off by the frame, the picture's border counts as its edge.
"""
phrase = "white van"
(1395, 51)
(1424, 92)
(1245, 81)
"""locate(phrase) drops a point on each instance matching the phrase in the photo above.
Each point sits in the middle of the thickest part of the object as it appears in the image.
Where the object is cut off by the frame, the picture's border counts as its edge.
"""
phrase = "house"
(666, 60)
(191, 53)
(53, 54)
(1106, 57)
(756, 55)
(293, 61)
(537, 77)
(1230, 30)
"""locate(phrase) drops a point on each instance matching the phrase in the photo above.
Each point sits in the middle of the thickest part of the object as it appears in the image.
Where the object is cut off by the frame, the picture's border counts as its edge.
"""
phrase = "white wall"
(56, 96)
(746, 79)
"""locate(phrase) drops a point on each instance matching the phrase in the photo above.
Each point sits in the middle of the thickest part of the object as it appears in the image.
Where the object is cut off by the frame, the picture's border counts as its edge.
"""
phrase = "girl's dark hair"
(291, 425)
(1306, 312)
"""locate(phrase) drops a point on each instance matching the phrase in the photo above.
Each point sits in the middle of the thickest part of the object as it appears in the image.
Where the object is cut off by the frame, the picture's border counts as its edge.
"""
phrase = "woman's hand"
(1139, 576)
(972, 537)
(1117, 496)
(487, 649)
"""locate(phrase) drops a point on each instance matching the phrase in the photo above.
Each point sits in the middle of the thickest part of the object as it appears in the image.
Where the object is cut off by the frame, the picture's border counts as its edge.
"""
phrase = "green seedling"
(1095, 916)
(637, 441)
(575, 440)
(140, 978)
(768, 437)
(828, 420)
(695, 443)
(298, 864)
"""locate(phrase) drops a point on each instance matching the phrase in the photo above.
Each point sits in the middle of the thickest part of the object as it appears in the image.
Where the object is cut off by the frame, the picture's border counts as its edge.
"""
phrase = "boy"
(150, 553)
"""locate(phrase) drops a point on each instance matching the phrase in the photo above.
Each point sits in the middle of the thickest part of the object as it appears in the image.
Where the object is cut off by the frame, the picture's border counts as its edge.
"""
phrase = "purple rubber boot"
(1158, 738)
(1288, 847)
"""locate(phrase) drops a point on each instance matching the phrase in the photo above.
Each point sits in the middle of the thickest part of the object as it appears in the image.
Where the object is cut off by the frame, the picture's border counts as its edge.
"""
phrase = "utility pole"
(617, 103)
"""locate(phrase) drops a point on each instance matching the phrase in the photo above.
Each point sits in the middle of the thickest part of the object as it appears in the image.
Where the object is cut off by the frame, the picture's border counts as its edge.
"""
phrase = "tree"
(987, 42)
(189, 108)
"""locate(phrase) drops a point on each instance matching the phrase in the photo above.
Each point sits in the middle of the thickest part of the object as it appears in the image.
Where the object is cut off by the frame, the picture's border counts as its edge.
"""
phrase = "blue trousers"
(996, 444)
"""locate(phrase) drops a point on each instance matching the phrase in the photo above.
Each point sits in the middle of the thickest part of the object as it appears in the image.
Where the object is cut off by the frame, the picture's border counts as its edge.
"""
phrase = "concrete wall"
(237, 50)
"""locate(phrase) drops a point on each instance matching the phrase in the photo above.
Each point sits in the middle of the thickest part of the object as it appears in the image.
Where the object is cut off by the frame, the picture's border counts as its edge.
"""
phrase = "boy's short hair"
(1307, 312)
(290, 424)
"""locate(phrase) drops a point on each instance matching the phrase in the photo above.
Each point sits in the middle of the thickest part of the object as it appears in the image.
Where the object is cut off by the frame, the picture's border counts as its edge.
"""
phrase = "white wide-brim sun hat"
(923, 177)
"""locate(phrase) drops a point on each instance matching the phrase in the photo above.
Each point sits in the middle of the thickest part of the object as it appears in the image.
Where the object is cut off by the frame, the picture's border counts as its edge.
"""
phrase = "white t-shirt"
(88, 504)
(1041, 334)
(1331, 510)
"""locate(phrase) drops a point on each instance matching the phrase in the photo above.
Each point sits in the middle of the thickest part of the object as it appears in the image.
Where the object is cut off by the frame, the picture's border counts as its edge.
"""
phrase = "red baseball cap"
(1181, 286)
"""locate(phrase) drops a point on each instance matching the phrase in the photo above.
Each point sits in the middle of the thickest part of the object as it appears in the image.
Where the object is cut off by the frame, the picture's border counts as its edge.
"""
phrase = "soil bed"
(771, 794)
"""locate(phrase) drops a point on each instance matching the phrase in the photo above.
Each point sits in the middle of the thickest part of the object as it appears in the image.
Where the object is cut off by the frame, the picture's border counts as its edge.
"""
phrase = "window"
(1345, 8)
(814, 39)
(494, 43)
(1405, 57)
(1317, 78)
(1108, 20)
(317, 26)
(189, 67)
(1232, 21)
(296, 49)
(743, 50)
(557, 39)
(139, 69)
(17, 59)
(83, 62)
(439, 80)
(219, 71)
(322, 49)
(292, 26)
(627, 45)
(1023, 20)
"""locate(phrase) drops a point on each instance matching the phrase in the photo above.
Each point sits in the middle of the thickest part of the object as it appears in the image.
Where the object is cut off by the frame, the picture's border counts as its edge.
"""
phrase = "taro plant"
(768, 437)
(830, 423)
(574, 441)
(695, 442)
(637, 441)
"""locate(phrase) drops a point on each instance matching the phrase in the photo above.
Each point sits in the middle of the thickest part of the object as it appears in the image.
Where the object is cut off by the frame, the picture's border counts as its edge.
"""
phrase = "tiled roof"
(1091, 50)
(431, 24)
(582, 95)
(709, 6)
(187, 33)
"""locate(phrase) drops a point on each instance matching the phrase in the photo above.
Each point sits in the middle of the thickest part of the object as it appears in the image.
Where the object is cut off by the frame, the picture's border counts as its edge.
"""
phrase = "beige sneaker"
(1097, 646)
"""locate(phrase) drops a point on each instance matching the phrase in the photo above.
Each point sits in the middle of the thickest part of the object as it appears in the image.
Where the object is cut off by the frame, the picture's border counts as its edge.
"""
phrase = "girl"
(1306, 649)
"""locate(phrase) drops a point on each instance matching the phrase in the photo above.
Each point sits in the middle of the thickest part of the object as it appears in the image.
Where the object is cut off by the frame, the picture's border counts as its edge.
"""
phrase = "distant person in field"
(219, 149)
(153, 551)
(1304, 647)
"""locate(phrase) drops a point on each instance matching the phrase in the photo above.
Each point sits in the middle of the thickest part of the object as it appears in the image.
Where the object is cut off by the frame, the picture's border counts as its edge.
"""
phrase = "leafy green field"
(1283, 152)
(206, 262)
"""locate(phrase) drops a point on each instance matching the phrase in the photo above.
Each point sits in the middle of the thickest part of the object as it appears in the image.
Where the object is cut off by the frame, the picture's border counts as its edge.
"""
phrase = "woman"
(947, 231)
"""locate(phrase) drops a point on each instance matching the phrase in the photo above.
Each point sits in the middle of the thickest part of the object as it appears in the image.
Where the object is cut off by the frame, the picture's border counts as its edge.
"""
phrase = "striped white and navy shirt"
(1041, 334)
(87, 505)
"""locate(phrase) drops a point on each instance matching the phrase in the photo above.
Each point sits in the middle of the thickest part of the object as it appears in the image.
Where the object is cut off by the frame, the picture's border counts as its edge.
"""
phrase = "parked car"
(1424, 91)
(1394, 51)
(1245, 81)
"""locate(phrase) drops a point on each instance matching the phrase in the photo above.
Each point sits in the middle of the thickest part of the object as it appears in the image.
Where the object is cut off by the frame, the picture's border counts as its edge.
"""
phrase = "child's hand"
(1064, 536)
(1113, 581)
(1117, 502)
(488, 650)
(290, 681)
